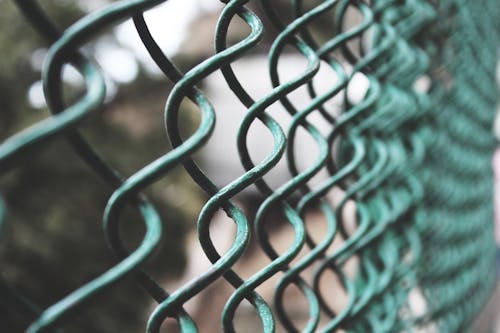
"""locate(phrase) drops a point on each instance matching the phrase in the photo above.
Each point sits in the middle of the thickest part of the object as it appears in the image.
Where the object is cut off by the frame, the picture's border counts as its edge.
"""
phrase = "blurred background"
(52, 241)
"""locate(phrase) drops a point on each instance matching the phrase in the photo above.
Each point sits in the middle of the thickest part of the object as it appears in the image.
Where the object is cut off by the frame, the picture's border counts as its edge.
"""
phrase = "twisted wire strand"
(378, 325)
(290, 186)
(471, 101)
(169, 69)
(222, 264)
(62, 308)
(292, 167)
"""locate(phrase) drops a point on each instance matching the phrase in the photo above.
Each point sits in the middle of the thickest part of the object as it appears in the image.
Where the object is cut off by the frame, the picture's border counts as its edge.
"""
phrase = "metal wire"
(416, 163)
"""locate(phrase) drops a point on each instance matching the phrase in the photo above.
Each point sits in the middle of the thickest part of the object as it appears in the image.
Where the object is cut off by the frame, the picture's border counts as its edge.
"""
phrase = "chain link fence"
(410, 160)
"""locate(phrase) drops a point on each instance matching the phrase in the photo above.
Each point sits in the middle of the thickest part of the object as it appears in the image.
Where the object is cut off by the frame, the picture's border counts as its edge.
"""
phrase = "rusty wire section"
(414, 159)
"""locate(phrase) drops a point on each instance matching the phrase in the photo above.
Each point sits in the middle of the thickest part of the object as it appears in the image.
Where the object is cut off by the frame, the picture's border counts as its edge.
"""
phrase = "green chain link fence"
(416, 163)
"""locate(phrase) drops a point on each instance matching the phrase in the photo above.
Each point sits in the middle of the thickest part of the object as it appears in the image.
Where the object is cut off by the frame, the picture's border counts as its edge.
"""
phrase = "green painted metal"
(415, 162)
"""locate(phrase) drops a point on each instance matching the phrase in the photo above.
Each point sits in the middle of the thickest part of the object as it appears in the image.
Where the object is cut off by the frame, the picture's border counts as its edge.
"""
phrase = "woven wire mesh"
(414, 161)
